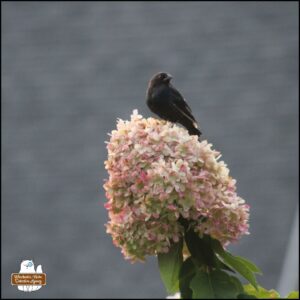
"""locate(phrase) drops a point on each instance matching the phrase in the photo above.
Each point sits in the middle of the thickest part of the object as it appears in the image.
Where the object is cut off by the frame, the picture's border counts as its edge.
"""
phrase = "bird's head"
(160, 78)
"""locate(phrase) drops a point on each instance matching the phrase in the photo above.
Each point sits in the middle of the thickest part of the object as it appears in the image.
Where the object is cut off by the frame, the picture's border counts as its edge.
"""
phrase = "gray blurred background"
(69, 70)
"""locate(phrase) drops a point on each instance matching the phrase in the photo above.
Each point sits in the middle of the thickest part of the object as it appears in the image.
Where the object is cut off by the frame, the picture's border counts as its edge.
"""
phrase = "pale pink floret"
(157, 172)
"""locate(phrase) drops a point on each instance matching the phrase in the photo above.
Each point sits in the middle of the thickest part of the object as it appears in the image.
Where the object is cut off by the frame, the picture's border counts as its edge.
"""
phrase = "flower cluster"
(157, 172)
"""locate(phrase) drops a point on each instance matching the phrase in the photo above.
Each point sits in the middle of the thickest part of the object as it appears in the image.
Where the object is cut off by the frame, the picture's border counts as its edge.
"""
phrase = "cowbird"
(165, 101)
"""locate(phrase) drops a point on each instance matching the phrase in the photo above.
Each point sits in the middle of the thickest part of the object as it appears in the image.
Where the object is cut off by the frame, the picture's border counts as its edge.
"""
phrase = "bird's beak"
(168, 78)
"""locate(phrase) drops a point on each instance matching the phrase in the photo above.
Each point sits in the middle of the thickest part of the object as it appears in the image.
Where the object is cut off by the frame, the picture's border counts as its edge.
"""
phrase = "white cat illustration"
(27, 266)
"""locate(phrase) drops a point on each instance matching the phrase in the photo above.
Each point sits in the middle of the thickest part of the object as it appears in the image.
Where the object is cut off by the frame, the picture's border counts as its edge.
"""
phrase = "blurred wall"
(70, 69)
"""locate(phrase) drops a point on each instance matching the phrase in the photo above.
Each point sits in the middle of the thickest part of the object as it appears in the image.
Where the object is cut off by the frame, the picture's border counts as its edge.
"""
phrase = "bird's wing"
(181, 106)
(180, 99)
(176, 108)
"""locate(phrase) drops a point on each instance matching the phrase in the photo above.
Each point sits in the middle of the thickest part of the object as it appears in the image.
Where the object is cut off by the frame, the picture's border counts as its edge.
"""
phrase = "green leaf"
(293, 295)
(201, 248)
(250, 265)
(202, 287)
(169, 267)
(187, 272)
(237, 283)
(236, 263)
(245, 296)
(214, 285)
(261, 293)
(220, 265)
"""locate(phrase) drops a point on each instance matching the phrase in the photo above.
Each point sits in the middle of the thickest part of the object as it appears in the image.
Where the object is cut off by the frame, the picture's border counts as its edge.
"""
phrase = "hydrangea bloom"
(157, 172)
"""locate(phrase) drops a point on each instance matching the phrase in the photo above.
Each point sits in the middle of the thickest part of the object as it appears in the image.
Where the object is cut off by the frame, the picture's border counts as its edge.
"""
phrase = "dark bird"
(165, 101)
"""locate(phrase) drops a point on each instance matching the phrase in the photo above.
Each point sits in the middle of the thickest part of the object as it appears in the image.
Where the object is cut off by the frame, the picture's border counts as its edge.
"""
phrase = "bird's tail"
(191, 127)
(194, 131)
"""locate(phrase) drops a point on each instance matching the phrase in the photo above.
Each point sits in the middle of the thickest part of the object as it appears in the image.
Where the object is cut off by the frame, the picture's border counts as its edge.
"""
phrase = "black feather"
(165, 101)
